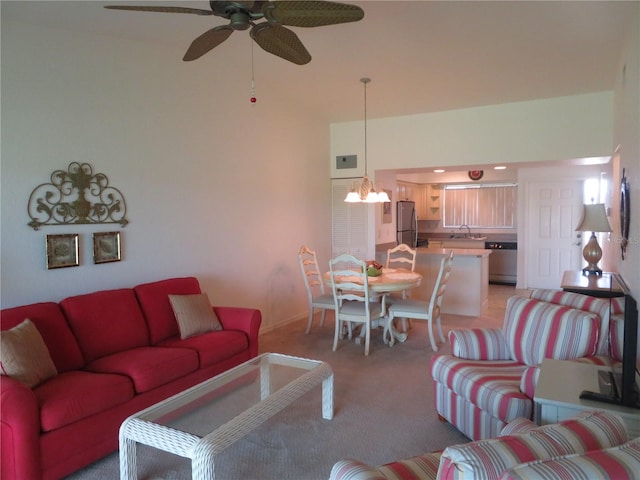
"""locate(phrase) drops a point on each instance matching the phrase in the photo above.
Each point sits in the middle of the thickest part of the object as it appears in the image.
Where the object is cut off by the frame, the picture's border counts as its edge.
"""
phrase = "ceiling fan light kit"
(271, 35)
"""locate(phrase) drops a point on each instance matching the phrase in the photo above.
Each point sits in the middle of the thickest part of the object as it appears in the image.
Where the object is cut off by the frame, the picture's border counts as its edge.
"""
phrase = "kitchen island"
(468, 286)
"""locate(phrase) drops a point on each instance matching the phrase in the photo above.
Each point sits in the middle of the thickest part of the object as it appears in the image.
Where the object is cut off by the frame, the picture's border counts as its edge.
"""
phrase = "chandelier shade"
(364, 191)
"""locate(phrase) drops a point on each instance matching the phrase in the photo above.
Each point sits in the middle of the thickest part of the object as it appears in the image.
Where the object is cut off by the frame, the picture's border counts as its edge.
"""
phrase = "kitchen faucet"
(468, 230)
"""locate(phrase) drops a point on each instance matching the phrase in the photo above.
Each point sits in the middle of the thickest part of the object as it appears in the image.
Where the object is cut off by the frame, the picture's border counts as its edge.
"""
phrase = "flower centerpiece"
(373, 268)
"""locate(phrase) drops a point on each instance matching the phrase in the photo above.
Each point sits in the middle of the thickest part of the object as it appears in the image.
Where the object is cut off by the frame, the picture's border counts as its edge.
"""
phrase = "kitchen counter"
(466, 252)
(468, 286)
(381, 251)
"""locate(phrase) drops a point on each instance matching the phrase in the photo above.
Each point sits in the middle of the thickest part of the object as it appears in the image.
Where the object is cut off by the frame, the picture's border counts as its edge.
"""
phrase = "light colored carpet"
(384, 411)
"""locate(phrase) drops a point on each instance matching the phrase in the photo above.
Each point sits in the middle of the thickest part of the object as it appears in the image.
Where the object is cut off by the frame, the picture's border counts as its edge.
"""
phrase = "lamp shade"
(594, 219)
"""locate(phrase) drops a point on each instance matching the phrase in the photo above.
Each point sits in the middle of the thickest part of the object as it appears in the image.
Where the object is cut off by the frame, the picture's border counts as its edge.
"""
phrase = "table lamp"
(594, 219)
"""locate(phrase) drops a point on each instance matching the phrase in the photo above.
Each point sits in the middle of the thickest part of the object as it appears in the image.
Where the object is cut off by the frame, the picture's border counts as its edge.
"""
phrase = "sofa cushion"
(24, 355)
(106, 322)
(212, 347)
(52, 325)
(154, 302)
(194, 314)
(148, 367)
(616, 463)
(488, 459)
(72, 396)
(600, 306)
(493, 386)
(535, 330)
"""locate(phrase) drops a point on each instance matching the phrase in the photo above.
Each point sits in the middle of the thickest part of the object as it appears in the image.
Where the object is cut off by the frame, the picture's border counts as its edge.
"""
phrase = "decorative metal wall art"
(77, 196)
(106, 247)
(62, 250)
(475, 174)
(625, 213)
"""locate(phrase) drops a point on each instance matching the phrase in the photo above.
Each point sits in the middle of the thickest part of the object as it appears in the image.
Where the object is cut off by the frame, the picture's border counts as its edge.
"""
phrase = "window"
(486, 206)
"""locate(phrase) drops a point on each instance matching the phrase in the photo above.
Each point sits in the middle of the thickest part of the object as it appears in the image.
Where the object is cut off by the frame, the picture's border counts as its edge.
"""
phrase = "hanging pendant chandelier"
(364, 191)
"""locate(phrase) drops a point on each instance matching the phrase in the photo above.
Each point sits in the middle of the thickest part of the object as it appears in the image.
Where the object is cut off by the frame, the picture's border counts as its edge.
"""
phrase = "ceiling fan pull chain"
(253, 83)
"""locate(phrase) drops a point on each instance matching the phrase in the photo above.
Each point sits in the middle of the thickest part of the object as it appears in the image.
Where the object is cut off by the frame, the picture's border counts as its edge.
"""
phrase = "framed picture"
(62, 250)
(386, 208)
(106, 247)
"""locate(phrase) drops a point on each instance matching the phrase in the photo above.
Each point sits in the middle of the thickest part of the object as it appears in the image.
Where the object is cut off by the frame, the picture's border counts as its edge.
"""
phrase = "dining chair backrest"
(441, 285)
(310, 272)
(349, 280)
(401, 256)
(425, 310)
(314, 284)
(350, 286)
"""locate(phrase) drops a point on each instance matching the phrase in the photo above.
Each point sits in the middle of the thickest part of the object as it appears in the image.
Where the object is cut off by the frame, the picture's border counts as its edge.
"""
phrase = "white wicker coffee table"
(202, 421)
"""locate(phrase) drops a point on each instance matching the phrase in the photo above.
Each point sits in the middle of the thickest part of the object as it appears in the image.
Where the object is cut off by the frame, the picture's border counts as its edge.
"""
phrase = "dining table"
(389, 281)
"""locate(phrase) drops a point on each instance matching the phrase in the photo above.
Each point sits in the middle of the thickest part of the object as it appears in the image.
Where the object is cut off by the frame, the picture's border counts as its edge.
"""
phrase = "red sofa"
(116, 352)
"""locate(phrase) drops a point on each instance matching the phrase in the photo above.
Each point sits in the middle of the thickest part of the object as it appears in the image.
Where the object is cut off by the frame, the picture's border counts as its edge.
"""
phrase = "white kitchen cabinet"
(415, 193)
(433, 202)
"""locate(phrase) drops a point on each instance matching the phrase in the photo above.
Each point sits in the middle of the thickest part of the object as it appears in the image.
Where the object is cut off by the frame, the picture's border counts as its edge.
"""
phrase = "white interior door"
(554, 210)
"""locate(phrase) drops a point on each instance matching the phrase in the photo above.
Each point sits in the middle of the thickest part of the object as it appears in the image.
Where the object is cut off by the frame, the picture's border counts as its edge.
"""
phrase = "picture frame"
(106, 247)
(62, 250)
(386, 208)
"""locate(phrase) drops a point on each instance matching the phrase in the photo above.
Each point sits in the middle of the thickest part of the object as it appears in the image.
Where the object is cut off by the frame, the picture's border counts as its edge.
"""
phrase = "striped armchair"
(490, 377)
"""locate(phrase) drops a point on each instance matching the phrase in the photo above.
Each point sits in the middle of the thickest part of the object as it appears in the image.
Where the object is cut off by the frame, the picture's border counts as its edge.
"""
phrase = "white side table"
(558, 391)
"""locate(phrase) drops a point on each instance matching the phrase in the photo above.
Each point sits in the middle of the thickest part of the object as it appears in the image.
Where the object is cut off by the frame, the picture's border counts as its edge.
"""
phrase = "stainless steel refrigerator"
(406, 223)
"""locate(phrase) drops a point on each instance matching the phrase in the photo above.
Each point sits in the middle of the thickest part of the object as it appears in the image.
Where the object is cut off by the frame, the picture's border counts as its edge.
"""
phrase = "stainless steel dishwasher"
(503, 262)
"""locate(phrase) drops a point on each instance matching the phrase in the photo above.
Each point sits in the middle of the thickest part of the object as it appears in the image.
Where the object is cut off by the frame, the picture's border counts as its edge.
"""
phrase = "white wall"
(553, 129)
(212, 187)
(627, 136)
(535, 131)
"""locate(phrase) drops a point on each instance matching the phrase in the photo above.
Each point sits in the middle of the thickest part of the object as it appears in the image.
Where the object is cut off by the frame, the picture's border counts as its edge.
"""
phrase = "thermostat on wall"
(346, 161)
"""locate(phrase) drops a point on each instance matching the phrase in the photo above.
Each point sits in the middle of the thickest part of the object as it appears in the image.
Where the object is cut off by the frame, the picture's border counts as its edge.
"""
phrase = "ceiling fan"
(271, 35)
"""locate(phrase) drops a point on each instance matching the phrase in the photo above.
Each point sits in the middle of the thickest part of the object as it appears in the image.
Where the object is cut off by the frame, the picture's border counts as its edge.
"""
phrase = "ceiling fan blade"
(311, 13)
(207, 42)
(195, 11)
(280, 41)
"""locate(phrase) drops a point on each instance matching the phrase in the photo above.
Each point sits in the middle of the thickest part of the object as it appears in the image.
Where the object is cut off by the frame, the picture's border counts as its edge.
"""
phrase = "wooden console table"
(603, 286)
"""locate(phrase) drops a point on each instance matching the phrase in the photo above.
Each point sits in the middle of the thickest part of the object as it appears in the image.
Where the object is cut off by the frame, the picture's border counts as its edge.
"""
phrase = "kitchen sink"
(467, 237)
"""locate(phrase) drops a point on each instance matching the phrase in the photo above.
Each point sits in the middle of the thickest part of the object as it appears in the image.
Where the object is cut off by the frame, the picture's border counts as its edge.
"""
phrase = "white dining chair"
(423, 310)
(401, 256)
(316, 294)
(353, 303)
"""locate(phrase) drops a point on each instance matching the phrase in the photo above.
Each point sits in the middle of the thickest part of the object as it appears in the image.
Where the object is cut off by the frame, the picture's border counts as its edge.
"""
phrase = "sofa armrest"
(20, 431)
(247, 320)
(479, 344)
(349, 469)
(421, 467)
(530, 380)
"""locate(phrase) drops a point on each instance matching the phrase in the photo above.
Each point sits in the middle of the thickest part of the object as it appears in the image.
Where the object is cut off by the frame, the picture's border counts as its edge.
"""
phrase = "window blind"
(486, 206)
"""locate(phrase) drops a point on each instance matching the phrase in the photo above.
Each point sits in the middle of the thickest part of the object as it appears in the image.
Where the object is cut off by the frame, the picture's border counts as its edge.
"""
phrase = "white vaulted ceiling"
(423, 56)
